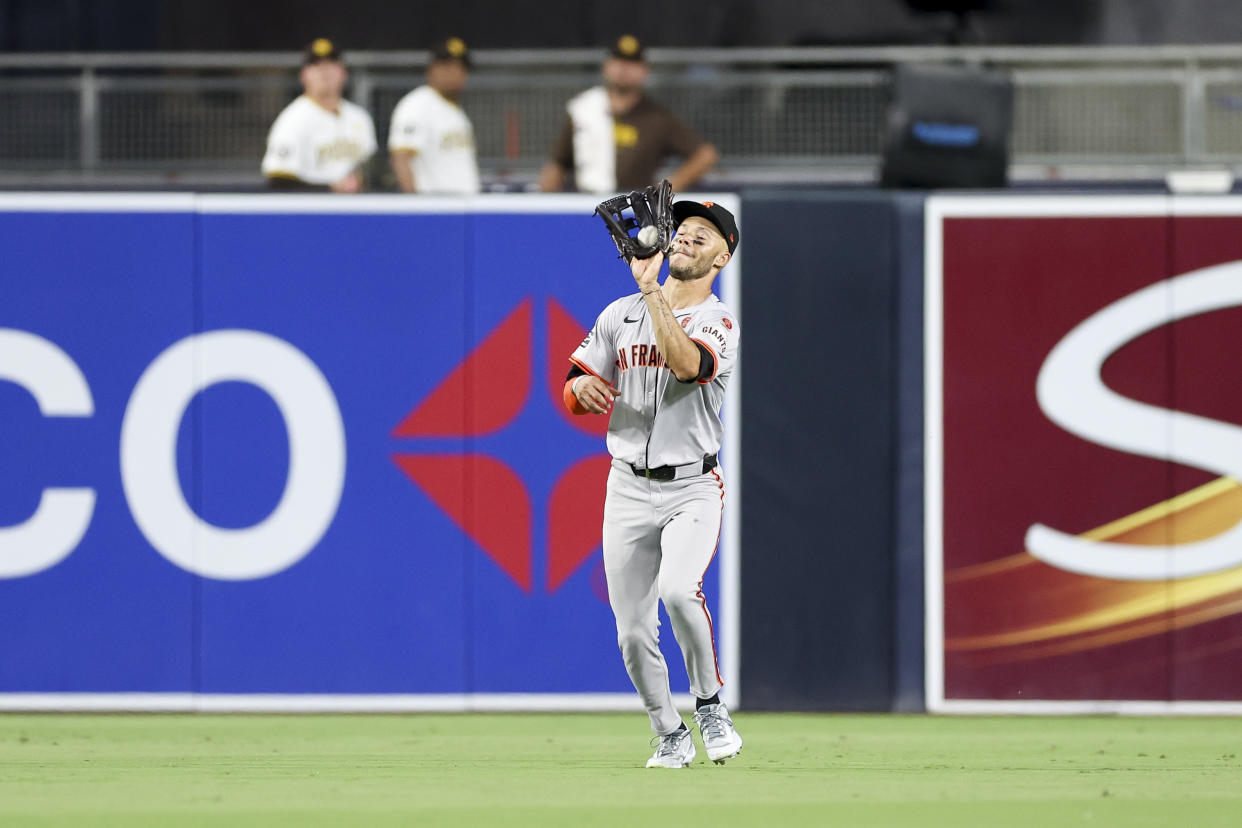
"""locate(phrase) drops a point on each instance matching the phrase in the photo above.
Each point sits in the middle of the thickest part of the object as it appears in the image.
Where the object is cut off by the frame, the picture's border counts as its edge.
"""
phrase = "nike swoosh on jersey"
(627, 319)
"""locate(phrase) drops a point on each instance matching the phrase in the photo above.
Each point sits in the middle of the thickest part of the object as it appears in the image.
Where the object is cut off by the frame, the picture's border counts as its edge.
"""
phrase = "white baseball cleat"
(719, 737)
(676, 750)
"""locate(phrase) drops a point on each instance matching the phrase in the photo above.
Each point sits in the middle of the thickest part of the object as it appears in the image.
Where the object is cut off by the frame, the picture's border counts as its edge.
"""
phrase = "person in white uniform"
(658, 363)
(320, 141)
(431, 140)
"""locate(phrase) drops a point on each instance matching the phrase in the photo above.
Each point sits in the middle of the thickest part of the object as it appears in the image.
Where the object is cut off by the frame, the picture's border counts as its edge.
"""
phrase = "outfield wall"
(299, 453)
(308, 453)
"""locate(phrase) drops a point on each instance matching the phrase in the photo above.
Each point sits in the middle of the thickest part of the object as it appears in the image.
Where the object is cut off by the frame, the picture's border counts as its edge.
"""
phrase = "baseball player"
(320, 140)
(658, 362)
(431, 141)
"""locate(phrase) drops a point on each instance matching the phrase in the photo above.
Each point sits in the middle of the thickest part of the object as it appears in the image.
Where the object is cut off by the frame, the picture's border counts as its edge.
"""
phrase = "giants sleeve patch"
(715, 334)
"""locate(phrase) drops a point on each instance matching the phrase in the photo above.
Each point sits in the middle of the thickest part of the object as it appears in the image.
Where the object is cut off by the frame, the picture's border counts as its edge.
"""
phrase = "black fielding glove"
(649, 207)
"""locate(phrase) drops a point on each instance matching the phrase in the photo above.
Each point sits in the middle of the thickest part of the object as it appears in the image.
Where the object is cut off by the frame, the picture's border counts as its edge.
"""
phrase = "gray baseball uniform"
(665, 494)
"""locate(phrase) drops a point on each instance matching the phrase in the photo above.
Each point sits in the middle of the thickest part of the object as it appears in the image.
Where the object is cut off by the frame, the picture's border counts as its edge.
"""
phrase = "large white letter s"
(1072, 395)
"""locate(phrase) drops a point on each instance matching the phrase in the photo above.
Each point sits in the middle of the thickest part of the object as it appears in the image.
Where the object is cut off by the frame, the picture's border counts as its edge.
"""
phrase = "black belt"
(666, 473)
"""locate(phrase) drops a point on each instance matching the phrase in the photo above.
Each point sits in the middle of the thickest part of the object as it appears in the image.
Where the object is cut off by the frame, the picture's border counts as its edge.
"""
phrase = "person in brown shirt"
(616, 138)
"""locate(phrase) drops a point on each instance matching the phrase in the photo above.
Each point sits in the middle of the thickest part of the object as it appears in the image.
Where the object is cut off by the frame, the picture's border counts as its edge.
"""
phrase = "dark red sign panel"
(1084, 450)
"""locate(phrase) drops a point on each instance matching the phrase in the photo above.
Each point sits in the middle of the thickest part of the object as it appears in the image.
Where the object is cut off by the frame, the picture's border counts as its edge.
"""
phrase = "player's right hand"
(596, 395)
(647, 271)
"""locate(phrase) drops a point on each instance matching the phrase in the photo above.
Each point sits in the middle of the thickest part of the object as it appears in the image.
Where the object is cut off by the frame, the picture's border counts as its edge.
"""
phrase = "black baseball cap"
(713, 212)
(321, 49)
(451, 48)
(627, 47)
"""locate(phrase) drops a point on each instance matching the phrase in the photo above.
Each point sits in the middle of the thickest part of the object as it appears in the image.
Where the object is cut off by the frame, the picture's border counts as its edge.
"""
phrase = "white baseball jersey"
(659, 421)
(315, 145)
(441, 137)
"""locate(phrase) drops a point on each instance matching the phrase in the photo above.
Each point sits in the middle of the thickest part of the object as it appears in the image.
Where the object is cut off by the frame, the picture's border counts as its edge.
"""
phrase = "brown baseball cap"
(627, 47)
(451, 48)
(321, 49)
(713, 212)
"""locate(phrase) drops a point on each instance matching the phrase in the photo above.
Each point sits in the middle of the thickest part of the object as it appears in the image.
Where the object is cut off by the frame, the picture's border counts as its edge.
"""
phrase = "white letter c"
(63, 515)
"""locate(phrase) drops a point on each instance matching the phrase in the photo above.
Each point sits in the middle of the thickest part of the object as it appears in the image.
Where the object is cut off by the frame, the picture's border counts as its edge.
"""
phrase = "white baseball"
(648, 235)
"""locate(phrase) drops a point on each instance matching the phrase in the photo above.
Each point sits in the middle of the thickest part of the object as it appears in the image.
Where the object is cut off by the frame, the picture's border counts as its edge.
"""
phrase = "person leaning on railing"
(320, 141)
(616, 137)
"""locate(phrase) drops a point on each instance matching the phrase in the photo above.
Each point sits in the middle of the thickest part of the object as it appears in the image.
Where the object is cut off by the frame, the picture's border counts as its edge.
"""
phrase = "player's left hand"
(647, 272)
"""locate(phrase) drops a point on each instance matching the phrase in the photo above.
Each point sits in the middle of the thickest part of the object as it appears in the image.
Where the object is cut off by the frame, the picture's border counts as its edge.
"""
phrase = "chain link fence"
(777, 116)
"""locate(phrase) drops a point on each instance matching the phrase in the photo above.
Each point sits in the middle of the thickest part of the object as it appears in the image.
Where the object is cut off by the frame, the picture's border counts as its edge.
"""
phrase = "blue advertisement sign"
(300, 453)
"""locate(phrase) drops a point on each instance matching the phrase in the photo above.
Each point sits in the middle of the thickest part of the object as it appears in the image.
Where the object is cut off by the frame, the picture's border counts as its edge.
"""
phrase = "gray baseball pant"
(659, 538)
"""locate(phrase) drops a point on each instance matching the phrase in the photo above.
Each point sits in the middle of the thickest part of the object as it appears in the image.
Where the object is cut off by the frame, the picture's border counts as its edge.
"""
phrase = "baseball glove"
(651, 207)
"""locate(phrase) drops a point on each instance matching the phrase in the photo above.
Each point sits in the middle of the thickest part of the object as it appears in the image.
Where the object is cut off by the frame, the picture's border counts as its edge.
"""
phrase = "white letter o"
(316, 454)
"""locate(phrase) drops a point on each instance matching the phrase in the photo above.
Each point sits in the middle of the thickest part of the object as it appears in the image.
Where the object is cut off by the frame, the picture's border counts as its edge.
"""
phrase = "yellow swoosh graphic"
(1029, 610)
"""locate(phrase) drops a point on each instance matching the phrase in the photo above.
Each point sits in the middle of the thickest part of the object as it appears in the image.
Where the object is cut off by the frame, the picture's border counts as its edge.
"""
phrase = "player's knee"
(681, 601)
(633, 640)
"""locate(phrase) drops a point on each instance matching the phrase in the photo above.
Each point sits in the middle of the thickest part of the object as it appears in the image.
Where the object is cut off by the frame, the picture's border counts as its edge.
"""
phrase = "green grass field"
(581, 769)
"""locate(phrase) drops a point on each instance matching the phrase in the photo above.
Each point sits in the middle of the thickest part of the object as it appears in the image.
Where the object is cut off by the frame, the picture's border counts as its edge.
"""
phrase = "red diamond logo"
(486, 498)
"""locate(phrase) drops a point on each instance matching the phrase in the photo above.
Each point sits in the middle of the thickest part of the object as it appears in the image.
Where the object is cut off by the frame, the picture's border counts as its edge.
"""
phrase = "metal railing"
(798, 115)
